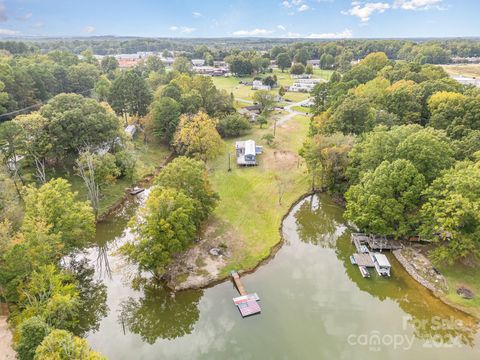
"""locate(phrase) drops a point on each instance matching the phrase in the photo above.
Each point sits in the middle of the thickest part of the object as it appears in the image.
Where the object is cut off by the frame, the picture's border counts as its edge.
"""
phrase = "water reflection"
(159, 315)
(319, 222)
(92, 294)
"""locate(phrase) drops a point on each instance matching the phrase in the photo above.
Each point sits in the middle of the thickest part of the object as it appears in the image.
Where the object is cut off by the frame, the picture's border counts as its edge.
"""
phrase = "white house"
(198, 62)
(314, 63)
(247, 152)
(301, 87)
(258, 85)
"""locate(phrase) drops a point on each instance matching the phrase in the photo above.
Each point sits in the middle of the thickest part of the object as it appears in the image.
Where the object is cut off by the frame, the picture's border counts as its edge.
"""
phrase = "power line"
(3, 116)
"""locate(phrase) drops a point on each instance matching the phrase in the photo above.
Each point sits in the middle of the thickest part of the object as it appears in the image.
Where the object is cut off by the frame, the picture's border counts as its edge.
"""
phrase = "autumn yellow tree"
(197, 137)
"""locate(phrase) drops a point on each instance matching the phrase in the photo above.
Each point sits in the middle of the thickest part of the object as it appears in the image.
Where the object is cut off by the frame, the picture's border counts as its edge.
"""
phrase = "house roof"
(382, 260)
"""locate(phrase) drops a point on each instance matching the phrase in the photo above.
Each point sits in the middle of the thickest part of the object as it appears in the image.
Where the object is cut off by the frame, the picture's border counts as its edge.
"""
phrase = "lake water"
(315, 305)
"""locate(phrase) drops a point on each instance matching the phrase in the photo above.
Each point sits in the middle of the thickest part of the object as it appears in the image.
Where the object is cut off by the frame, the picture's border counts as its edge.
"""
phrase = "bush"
(32, 333)
(297, 69)
(233, 125)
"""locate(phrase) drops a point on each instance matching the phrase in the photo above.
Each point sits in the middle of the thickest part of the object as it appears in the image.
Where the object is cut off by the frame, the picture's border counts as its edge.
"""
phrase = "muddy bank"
(6, 350)
(210, 272)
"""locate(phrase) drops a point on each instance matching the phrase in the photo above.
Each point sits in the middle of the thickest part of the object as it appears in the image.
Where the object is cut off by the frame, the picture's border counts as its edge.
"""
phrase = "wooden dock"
(246, 303)
(364, 260)
(380, 243)
(360, 241)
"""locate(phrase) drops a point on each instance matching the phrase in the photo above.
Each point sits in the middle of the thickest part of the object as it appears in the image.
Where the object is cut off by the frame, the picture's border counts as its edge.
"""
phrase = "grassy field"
(249, 213)
(149, 156)
(459, 275)
(231, 85)
(469, 70)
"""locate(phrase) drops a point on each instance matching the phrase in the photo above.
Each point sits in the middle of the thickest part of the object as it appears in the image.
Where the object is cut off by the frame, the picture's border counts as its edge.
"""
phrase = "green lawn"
(303, 109)
(461, 275)
(325, 74)
(249, 214)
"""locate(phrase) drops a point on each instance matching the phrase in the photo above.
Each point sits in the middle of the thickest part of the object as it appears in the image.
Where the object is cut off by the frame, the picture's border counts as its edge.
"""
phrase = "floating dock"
(364, 260)
(247, 303)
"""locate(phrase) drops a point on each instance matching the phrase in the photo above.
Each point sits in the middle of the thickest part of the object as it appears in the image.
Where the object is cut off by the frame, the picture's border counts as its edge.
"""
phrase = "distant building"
(168, 61)
(258, 85)
(198, 62)
(301, 87)
(314, 63)
(247, 152)
(218, 63)
(301, 76)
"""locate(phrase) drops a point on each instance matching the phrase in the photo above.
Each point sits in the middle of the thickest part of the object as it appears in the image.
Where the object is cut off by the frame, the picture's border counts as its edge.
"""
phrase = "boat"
(352, 260)
(382, 265)
(364, 271)
(136, 190)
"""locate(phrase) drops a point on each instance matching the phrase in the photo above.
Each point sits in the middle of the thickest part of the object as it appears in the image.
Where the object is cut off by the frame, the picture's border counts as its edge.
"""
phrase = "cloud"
(365, 10)
(196, 14)
(293, 35)
(3, 12)
(173, 28)
(417, 4)
(89, 29)
(281, 27)
(303, 8)
(38, 25)
(345, 34)
(287, 4)
(8, 32)
(187, 30)
(254, 32)
(25, 17)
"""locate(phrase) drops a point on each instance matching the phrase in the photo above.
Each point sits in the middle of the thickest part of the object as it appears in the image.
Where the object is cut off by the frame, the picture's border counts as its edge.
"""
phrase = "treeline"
(400, 142)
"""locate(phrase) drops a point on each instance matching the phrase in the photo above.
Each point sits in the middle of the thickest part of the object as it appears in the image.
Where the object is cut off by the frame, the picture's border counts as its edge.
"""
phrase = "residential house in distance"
(219, 63)
(258, 85)
(314, 63)
(167, 61)
(198, 62)
(247, 152)
(251, 112)
(301, 76)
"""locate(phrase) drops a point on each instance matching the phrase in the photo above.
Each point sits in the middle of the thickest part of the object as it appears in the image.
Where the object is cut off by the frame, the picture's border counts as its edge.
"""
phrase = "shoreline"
(271, 255)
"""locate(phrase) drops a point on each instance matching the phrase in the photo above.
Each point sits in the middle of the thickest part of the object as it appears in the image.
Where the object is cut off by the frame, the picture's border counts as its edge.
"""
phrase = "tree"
(102, 88)
(403, 99)
(326, 61)
(166, 116)
(297, 69)
(130, 95)
(265, 100)
(165, 226)
(262, 120)
(32, 332)
(302, 56)
(284, 61)
(309, 69)
(450, 215)
(327, 159)
(233, 125)
(75, 122)
(51, 295)
(386, 201)
(55, 204)
(82, 78)
(239, 65)
(153, 63)
(198, 137)
(63, 345)
(191, 177)
(182, 65)
(108, 64)
(353, 116)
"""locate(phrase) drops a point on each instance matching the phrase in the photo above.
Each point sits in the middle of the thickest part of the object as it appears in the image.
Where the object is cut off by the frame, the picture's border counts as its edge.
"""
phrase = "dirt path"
(6, 351)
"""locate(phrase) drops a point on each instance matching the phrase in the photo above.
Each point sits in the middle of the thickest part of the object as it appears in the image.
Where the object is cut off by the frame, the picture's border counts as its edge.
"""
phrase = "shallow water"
(315, 305)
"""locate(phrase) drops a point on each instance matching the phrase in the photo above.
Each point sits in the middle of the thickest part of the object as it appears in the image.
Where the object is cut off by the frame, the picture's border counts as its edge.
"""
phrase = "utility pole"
(274, 127)
(229, 166)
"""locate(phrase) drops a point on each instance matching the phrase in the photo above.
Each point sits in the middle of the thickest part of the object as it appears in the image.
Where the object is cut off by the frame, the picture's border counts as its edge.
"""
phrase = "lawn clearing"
(467, 70)
(249, 210)
(469, 277)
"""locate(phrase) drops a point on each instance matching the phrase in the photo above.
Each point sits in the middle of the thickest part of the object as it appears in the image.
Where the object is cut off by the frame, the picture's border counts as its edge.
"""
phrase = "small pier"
(247, 303)
(366, 257)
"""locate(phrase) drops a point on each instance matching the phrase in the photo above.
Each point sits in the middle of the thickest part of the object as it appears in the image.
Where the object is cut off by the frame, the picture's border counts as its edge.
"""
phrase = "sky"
(241, 18)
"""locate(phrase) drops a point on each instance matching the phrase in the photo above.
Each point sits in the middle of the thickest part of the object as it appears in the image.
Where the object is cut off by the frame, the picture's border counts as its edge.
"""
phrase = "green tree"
(55, 204)
(182, 65)
(309, 69)
(63, 345)
(386, 201)
(190, 176)
(326, 61)
(31, 332)
(109, 64)
(102, 88)
(82, 78)
(450, 215)
(198, 137)
(353, 116)
(165, 226)
(166, 116)
(233, 125)
(284, 61)
(265, 100)
(297, 69)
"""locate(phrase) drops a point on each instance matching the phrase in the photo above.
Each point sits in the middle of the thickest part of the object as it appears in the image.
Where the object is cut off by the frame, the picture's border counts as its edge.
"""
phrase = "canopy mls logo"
(438, 333)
